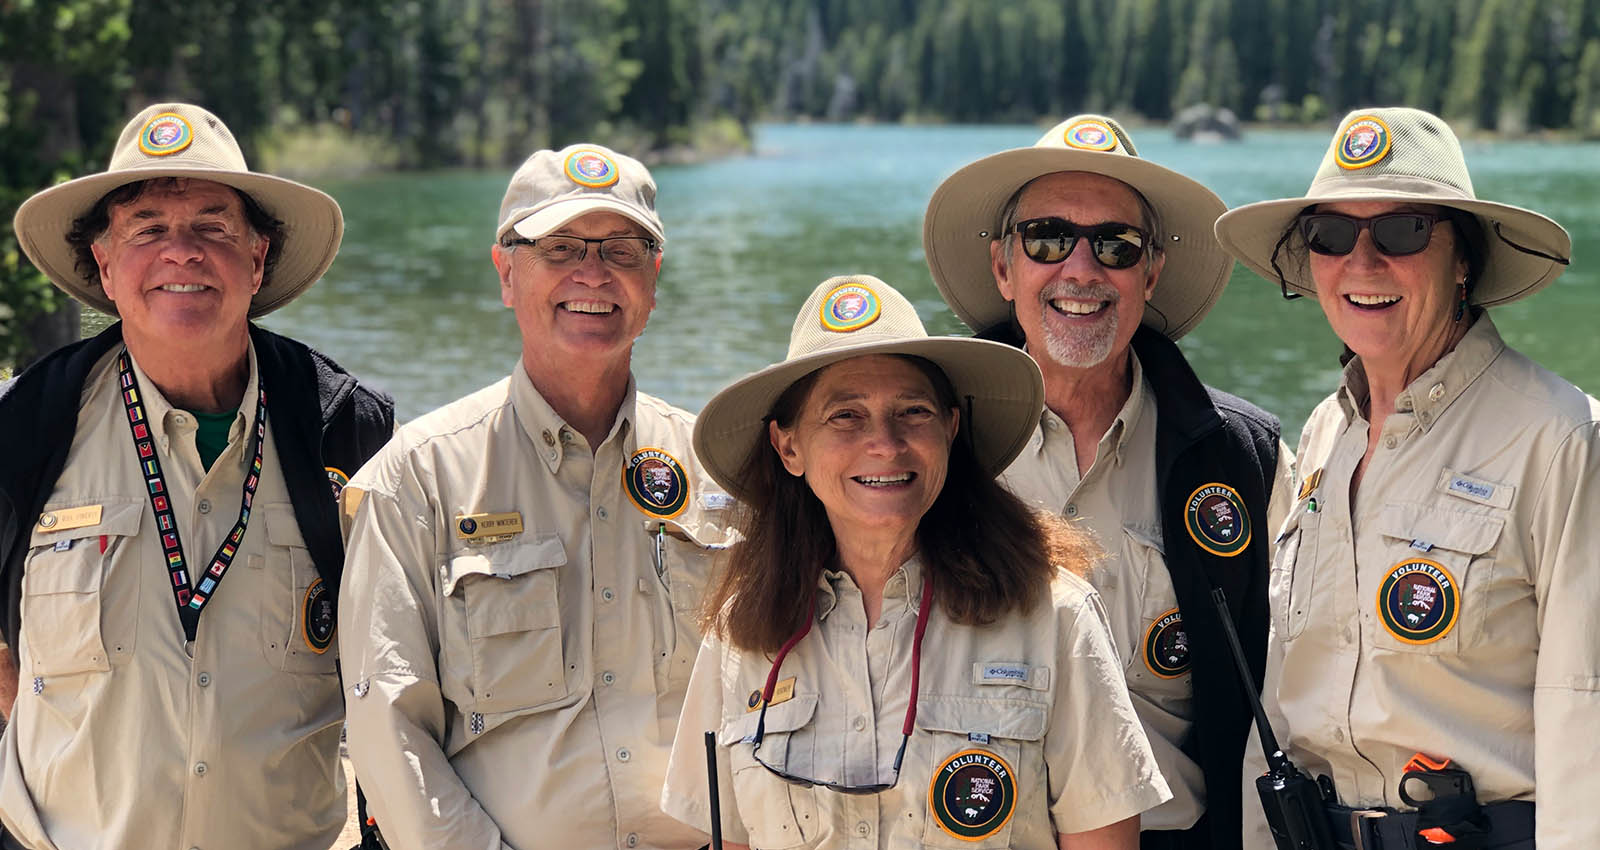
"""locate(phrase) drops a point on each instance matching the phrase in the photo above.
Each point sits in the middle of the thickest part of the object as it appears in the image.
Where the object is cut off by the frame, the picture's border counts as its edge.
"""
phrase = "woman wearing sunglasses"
(901, 654)
(1433, 591)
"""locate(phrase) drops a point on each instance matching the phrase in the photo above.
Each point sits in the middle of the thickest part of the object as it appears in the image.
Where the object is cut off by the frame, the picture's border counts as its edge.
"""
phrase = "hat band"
(1393, 185)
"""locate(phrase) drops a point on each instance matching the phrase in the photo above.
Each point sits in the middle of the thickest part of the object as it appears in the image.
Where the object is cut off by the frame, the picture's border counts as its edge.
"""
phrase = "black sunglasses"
(1393, 234)
(905, 729)
(1051, 240)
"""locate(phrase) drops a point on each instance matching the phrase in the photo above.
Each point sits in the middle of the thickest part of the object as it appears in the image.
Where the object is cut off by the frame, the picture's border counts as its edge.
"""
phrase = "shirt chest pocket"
(778, 814)
(66, 625)
(1293, 573)
(1431, 559)
(683, 563)
(504, 600)
(297, 616)
(1148, 625)
(985, 763)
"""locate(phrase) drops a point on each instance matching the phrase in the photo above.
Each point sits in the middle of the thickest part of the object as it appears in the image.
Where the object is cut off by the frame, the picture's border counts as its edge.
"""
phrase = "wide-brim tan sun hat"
(183, 140)
(964, 217)
(999, 387)
(1403, 156)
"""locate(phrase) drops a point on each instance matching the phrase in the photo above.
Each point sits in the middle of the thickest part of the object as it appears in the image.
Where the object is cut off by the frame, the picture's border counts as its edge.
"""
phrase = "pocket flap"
(282, 528)
(1458, 531)
(783, 717)
(1003, 718)
(706, 535)
(506, 560)
(119, 519)
(1146, 536)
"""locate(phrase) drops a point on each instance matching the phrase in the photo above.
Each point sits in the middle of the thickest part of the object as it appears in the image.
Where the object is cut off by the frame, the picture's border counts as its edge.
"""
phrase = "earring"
(1461, 305)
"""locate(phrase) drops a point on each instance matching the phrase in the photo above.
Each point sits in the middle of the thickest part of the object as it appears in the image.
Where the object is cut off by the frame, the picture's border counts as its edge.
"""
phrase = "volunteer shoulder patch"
(656, 483)
(1364, 142)
(1090, 135)
(850, 307)
(1166, 646)
(973, 794)
(591, 168)
(1418, 601)
(336, 479)
(1215, 517)
(165, 134)
(318, 617)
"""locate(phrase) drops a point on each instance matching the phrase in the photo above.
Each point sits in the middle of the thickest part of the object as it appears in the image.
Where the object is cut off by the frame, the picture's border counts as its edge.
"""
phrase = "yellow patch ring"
(165, 150)
(1371, 158)
(874, 309)
(305, 623)
(578, 177)
(933, 807)
(1238, 503)
(1149, 632)
(1109, 143)
(1455, 613)
(682, 476)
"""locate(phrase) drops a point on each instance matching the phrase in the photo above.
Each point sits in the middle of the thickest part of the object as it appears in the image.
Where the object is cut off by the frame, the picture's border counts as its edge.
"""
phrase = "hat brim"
(312, 229)
(1003, 384)
(965, 210)
(1251, 234)
(551, 218)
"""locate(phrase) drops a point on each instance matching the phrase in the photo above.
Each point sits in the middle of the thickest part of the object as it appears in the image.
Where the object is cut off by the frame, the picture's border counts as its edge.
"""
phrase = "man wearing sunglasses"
(1096, 261)
(525, 563)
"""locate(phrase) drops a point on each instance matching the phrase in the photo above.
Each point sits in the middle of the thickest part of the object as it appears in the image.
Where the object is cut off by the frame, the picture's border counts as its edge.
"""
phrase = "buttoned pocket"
(1430, 558)
(506, 595)
(1293, 574)
(684, 564)
(65, 623)
(777, 814)
(297, 622)
(985, 761)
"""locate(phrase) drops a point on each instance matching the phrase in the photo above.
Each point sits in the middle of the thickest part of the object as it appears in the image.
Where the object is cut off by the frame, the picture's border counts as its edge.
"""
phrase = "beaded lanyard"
(190, 602)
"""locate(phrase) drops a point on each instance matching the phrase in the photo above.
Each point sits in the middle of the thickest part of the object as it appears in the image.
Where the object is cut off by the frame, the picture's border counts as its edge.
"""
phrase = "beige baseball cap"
(854, 316)
(553, 188)
(183, 140)
(1403, 156)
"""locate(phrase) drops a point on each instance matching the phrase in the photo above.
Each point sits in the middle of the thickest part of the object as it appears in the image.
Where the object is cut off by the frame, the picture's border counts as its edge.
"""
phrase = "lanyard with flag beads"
(191, 600)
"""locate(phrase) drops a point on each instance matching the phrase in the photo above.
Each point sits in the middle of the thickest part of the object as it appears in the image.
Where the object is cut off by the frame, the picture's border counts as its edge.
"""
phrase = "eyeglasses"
(905, 729)
(1393, 234)
(1051, 240)
(623, 252)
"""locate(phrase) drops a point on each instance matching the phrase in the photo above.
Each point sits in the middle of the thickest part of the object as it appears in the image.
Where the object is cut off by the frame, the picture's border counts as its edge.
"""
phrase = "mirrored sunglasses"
(1051, 240)
(1393, 234)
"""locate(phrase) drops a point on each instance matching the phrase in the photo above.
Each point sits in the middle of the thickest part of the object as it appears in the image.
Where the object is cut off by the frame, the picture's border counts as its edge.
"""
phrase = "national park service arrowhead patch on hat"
(850, 307)
(1364, 142)
(591, 168)
(1090, 135)
(165, 134)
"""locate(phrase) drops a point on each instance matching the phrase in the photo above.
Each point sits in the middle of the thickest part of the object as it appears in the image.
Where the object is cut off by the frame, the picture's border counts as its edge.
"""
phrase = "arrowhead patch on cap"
(1090, 135)
(591, 168)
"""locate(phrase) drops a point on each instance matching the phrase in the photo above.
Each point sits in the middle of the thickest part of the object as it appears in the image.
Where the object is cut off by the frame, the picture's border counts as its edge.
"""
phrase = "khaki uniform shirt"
(121, 738)
(1452, 609)
(516, 653)
(1022, 728)
(1116, 500)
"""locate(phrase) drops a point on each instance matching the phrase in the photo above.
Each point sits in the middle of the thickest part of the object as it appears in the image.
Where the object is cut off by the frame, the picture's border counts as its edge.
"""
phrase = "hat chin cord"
(1283, 283)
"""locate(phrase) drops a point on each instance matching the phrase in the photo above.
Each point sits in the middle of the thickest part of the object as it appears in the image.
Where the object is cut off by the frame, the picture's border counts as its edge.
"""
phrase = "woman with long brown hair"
(900, 653)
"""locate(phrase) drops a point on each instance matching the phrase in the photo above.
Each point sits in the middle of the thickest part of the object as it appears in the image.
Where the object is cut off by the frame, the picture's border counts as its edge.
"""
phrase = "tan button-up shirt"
(119, 737)
(1452, 609)
(1116, 500)
(518, 623)
(1023, 728)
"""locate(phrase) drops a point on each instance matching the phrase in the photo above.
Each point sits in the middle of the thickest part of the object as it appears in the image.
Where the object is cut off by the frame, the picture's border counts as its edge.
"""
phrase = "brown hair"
(989, 553)
(92, 225)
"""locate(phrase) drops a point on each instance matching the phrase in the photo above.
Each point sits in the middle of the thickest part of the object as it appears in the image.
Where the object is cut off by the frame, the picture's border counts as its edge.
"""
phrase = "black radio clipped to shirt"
(1294, 803)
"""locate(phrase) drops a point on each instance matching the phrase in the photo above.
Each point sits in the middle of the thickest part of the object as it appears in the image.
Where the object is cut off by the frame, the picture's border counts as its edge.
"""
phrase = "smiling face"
(1395, 312)
(181, 262)
(1078, 313)
(586, 311)
(873, 442)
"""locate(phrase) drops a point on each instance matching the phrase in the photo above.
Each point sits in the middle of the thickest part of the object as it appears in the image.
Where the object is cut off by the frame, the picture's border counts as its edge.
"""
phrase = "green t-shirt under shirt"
(211, 434)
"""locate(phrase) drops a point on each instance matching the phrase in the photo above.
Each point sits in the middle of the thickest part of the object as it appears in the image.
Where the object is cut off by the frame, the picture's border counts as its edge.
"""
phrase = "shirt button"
(204, 506)
(1072, 509)
(859, 724)
(1389, 442)
(602, 513)
(863, 829)
(549, 438)
(200, 769)
(608, 677)
(623, 754)
(1052, 424)
(607, 594)
(203, 679)
(1425, 416)
(1436, 392)
(566, 437)
(633, 839)
(180, 419)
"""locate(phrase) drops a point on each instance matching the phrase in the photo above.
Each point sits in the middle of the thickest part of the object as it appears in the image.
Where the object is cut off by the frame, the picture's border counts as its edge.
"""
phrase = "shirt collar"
(164, 418)
(1122, 428)
(550, 433)
(1432, 392)
(899, 587)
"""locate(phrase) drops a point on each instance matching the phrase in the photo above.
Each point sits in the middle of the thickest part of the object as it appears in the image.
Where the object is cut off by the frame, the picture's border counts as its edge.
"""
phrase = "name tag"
(781, 692)
(489, 528)
(67, 519)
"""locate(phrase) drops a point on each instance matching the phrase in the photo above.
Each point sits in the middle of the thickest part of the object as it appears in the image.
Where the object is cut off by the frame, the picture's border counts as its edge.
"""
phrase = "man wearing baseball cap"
(527, 561)
(1097, 260)
(171, 553)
